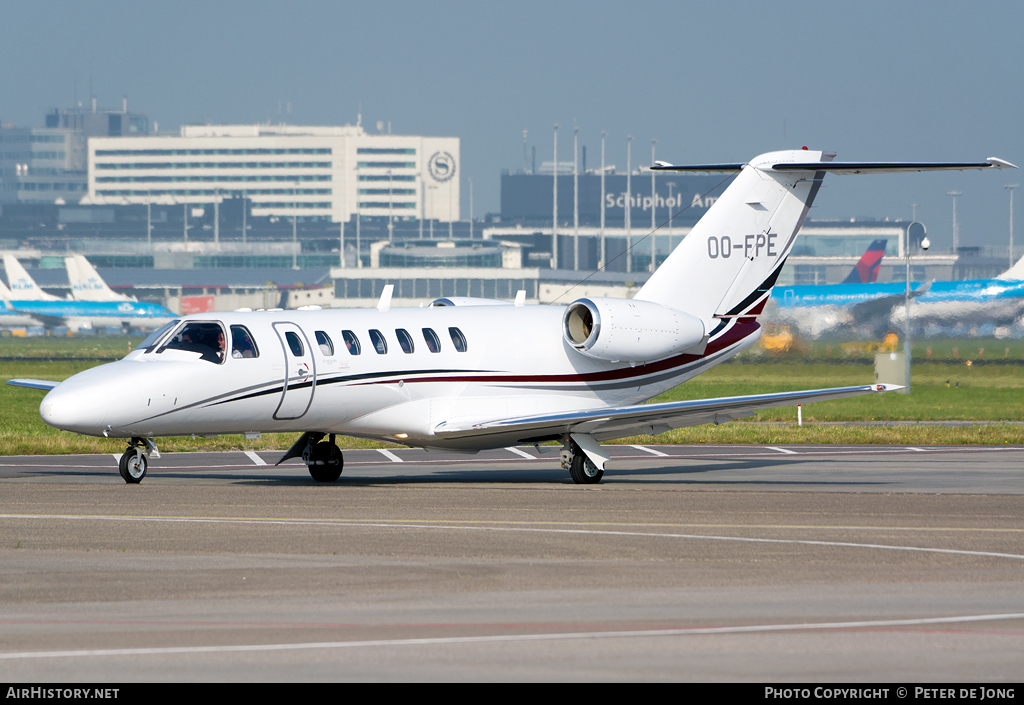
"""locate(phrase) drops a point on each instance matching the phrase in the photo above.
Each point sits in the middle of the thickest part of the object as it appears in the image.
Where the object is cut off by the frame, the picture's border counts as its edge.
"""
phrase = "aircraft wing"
(33, 383)
(618, 422)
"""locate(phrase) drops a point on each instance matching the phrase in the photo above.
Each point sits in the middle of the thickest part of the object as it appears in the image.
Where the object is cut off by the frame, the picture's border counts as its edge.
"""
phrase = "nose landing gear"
(133, 464)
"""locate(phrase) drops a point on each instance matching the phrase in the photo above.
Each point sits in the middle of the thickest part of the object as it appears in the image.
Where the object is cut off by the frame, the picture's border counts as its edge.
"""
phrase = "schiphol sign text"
(612, 201)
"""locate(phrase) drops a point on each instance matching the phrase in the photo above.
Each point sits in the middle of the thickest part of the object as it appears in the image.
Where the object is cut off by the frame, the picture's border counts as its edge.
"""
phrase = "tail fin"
(731, 259)
(86, 284)
(1016, 272)
(866, 270)
(22, 286)
(727, 265)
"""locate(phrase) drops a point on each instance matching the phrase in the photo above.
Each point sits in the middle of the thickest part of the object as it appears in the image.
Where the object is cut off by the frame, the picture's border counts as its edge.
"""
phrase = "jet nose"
(73, 409)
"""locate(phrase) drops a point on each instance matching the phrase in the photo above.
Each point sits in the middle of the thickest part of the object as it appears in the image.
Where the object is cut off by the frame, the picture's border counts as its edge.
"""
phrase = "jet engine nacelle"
(631, 330)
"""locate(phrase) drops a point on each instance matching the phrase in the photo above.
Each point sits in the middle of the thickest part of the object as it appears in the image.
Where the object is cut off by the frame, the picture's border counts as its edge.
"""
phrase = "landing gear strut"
(133, 464)
(323, 458)
(581, 469)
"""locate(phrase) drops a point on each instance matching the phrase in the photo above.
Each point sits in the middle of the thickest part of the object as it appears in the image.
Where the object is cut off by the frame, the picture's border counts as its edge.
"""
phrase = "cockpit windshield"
(203, 337)
(151, 341)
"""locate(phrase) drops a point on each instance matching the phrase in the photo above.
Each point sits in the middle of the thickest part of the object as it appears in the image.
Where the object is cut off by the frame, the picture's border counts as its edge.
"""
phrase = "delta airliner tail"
(866, 270)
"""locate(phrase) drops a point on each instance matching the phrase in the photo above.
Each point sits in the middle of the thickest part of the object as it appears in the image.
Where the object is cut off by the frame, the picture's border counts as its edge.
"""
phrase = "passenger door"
(299, 372)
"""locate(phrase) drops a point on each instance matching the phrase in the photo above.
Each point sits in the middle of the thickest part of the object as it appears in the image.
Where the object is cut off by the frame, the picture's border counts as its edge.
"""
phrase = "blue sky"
(712, 81)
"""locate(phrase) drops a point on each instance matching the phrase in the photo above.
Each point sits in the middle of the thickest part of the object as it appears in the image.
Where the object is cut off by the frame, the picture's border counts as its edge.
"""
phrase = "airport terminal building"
(311, 172)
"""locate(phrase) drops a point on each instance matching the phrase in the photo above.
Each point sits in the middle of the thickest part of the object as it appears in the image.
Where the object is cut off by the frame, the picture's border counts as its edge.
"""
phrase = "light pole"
(906, 297)
(470, 208)
(629, 204)
(554, 208)
(1011, 187)
(956, 225)
(603, 136)
(391, 218)
(359, 258)
(295, 225)
(184, 207)
(149, 223)
(654, 205)
(671, 205)
(575, 198)
(216, 218)
(423, 203)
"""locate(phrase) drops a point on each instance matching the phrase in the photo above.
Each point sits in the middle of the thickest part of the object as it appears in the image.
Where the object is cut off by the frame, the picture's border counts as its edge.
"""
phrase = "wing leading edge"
(618, 422)
(33, 383)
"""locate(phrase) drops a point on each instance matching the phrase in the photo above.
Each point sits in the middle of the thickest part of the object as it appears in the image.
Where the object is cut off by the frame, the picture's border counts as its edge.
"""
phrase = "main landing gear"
(133, 464)
(322, 458)
(581, 468)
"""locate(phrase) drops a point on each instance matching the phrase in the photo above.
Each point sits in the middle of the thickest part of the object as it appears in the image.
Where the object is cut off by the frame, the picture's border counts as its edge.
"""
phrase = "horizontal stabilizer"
(845, 167)
(33, 383)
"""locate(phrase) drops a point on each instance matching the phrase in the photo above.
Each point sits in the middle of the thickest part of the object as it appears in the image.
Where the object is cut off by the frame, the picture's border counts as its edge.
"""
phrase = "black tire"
(583, 471)
(133, 465)
(327, 462)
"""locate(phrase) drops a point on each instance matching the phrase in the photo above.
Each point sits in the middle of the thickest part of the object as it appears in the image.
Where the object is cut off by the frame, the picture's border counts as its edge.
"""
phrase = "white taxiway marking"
(695, 631)
(919, 450)
(117, 459)
(651, 451)
(782, 450)
(524, 529)
(255, 458)
(390, 456)
(522, 453)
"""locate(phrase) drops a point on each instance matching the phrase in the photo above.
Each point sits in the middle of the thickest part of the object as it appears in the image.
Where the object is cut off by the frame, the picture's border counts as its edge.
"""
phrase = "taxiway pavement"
(782, 563)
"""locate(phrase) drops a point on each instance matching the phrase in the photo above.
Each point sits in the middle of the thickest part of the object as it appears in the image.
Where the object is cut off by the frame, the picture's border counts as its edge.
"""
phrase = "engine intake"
(630, 330)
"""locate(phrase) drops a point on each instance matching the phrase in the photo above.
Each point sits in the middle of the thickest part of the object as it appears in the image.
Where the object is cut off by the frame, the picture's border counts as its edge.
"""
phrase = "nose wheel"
(133, 465)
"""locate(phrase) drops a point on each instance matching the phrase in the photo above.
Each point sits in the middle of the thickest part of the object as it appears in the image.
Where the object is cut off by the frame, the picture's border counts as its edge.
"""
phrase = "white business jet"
(468, 377)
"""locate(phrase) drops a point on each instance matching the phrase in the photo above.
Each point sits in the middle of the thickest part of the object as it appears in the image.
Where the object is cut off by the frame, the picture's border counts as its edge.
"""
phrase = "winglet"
(384, 305)
(1000, 163)
(888, 387)
(521, 297)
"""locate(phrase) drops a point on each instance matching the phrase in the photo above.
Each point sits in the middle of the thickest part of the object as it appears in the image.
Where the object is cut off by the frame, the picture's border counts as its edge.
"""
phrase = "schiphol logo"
(441, 166)
(644, 202)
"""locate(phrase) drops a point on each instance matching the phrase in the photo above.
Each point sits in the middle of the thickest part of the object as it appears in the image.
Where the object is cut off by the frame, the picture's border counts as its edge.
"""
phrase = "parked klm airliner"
(93, 303)
(820, 310)
(469, 377)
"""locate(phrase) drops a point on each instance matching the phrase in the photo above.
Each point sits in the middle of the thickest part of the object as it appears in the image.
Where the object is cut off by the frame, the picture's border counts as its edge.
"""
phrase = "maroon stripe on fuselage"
(742, 329)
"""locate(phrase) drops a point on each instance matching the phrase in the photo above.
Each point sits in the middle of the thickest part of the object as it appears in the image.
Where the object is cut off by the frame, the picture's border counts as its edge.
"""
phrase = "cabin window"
(151, 341)
(379, 344)
(242, 344)
(405, 340)
(458, 339)
(203, 337)
(294, 344)
(433, 342)
(351, 342)
(325, 343)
